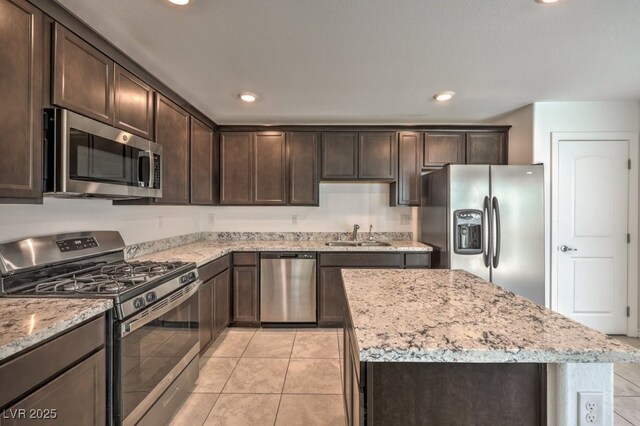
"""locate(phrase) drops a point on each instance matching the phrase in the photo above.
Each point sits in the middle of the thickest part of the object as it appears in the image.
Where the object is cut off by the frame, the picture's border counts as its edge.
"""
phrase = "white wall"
(135, 223)
(552, 117)
(520, 134)
(341, 205)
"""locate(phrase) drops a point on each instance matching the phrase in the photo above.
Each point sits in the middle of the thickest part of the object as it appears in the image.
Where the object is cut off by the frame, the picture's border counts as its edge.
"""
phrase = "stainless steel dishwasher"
(287, 287)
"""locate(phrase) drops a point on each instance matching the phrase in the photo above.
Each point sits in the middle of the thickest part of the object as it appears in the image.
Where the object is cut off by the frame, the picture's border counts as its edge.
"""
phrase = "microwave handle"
(152, 163)
(145, 157)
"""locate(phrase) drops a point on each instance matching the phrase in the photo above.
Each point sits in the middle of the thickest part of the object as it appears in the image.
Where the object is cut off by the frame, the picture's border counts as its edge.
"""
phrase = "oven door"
(151, 350)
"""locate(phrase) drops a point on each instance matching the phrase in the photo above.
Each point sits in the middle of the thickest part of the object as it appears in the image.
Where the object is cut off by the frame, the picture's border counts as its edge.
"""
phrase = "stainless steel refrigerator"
(488, 220)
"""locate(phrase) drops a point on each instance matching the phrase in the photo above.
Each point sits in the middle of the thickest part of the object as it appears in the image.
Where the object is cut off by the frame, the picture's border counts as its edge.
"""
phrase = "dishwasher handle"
(287, 255)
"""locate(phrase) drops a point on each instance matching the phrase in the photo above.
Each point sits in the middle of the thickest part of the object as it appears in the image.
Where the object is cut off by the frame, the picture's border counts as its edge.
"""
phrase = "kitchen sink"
(358, 244)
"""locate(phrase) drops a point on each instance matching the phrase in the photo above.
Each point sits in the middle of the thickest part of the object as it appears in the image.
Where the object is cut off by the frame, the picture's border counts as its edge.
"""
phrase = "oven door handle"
(156, 311)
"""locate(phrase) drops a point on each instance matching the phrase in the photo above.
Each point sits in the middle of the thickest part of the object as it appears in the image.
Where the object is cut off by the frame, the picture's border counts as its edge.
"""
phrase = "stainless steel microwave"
(84, 157)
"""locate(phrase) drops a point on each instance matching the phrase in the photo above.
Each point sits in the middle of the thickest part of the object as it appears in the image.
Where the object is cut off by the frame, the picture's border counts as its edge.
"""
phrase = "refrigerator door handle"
(498, 235)
(486, 232)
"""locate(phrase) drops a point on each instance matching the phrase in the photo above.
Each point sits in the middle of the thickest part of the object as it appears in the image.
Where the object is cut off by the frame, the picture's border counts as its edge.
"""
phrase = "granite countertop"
(205, 251)
(25, 322)
(454, 316)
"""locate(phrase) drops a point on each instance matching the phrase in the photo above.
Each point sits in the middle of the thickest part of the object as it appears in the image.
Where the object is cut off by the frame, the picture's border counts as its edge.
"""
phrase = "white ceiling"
(375, 61)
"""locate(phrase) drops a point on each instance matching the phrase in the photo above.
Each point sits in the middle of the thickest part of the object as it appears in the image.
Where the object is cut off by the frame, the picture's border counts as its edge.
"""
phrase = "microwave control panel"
(156, 172)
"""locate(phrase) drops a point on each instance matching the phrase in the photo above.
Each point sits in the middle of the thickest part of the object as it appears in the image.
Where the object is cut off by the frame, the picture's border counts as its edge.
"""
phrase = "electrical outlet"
(405, 219)
(590, 408)
(294, 219)
(160, 222)
(212, 219)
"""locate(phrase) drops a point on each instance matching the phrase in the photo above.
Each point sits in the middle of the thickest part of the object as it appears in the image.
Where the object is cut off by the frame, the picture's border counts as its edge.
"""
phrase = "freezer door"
(517, 194)
(468, 189)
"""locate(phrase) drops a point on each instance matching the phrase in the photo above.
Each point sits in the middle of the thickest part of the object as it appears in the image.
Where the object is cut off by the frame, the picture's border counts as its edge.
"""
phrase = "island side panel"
(413, 393)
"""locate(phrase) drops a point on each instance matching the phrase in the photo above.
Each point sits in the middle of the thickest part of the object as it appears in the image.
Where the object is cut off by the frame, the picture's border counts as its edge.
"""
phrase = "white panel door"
(592, 233)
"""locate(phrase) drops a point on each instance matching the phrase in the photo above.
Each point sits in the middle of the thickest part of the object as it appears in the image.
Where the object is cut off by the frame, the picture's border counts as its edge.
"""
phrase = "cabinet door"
(205, 313)
(304, 159)
(331, 297)
(221, 296)
(79, 396)
(443, 148)
(235, 168)
(377, 155)
(133, 104)
(21, 99)
(245, 294)
(83, 77)
(406, 190)
(339, 155)
(172, 132)
(486, 148)
(269, 175)
(203, 159)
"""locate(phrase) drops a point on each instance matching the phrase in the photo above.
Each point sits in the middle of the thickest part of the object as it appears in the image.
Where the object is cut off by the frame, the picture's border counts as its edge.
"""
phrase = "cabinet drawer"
(212, 269)
(367, 260)
(245, 259)
(417, 260)
(38, 365)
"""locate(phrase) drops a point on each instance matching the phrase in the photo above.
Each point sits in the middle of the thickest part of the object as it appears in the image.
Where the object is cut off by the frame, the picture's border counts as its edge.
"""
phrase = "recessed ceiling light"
(247, 96)
(443, 96)
(179, 2)
(546, 1)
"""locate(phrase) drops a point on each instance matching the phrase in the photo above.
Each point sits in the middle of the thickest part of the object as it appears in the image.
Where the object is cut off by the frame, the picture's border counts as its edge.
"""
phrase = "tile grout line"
(615, 412)
(284, 382)
(235, 366)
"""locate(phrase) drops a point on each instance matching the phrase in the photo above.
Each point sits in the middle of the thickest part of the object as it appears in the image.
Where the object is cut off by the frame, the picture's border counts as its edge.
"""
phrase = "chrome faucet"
(354, 234)
(370, 234)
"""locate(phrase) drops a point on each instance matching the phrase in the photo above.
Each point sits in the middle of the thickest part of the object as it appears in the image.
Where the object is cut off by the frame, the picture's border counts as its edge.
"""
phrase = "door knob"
(565, 249)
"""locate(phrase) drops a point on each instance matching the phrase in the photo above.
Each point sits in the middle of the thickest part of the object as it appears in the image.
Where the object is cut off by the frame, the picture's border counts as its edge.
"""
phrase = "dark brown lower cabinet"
(330, 288)
(221, 302)
(78, 396)
(245, 295)
(62, 381)
(214, 300)
(205, 313)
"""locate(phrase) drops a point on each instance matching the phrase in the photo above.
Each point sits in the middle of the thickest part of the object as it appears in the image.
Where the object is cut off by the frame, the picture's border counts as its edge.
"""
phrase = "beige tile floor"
(268, 377)
(626, 390)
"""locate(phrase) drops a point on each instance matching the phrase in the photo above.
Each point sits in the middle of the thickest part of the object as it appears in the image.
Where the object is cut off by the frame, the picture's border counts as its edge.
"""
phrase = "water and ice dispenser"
(467, 225)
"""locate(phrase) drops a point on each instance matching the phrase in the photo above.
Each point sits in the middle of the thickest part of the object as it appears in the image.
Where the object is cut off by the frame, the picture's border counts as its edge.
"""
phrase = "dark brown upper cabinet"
(235, 168)
(133, 104)
(304, 162)
(269, 174)
(172, 132)
(339, 155)
(83, 77)
(204, 160)
(21, 101)
(406, 190)
(442, 148)
(359, 156)
(377, 155)
(486, 148)
(269, 168)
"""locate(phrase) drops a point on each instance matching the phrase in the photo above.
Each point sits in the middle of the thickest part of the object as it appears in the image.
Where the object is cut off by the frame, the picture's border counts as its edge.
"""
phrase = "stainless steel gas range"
(153, 357)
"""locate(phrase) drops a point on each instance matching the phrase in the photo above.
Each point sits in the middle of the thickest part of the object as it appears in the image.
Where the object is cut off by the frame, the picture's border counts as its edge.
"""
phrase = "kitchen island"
(446, 347)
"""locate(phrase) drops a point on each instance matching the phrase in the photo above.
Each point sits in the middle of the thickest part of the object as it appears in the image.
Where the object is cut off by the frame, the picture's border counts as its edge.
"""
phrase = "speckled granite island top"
(454, 316)
(205, 251)
(25, 322)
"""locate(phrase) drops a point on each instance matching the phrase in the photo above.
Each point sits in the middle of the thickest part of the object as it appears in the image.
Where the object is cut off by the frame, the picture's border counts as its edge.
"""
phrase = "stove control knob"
(138, 303)
(192, 276)
(183, 279)
(151, 297)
